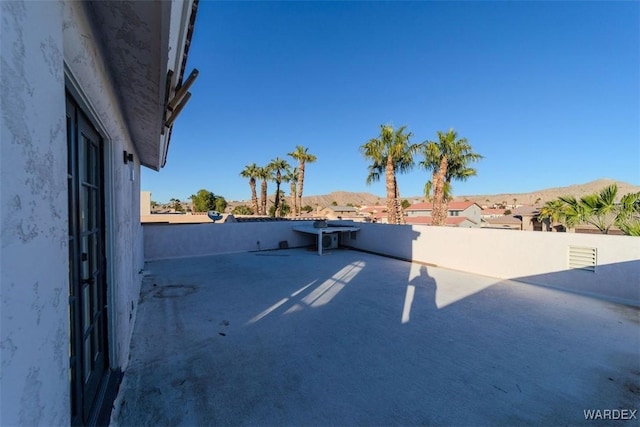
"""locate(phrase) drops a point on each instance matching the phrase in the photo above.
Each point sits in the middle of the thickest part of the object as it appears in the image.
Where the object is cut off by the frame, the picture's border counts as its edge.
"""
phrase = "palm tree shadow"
(420, 297)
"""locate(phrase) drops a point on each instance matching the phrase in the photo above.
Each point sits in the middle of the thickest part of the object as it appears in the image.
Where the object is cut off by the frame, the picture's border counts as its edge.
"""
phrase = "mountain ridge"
(343, 198)
(528, 198)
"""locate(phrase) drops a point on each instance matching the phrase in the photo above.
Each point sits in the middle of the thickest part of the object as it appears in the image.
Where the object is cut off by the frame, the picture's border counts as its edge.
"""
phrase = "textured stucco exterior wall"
(83, 55)
(34, 344)
(533, 257)
(38, 39)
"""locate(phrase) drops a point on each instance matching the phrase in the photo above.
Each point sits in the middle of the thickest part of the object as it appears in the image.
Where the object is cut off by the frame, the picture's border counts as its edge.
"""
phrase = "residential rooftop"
(287, 337)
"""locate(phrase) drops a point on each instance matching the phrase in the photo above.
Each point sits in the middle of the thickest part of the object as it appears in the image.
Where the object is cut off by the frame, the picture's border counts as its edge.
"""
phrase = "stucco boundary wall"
(165, 241)
(527, 256)
(530, 257)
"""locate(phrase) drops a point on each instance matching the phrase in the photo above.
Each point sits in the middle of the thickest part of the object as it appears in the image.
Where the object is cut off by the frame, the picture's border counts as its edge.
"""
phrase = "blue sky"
(548, 92)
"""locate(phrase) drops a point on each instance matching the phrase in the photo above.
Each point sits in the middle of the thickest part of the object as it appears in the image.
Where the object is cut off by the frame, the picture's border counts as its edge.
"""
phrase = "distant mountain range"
(540, 196)
(343, 198)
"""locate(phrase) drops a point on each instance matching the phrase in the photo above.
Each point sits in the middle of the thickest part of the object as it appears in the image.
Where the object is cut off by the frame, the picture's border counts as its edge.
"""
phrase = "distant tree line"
(278, 171)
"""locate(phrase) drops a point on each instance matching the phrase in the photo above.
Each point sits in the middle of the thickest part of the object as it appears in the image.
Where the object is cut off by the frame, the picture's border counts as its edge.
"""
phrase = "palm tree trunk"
(263, 197)
(439, 213)
(300, 187)
(276, 211)
(294, 204)
(391, 191)
(254, 197)
(398, 204)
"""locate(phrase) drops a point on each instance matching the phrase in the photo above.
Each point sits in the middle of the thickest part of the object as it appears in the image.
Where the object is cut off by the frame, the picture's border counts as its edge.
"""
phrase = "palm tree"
(391, 152)
(597, 209)
(628, 219)
(602, 211)
(251, 172)
(291, 176)
(263, 174)
(553, 211)
(303, 157)
(278, 165)
(449, 159)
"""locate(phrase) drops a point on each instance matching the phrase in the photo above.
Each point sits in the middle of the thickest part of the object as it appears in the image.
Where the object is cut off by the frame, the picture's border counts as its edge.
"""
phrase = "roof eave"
(142, 41)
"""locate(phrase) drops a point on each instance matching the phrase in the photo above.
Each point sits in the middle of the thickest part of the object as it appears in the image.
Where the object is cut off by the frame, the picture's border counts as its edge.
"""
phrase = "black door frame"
(93, 384)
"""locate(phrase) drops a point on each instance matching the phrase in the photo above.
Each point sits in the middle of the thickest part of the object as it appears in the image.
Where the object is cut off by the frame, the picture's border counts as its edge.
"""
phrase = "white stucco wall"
(82, 53)
(162, 241)
(37, 39)
(33, 217)
(532, 257)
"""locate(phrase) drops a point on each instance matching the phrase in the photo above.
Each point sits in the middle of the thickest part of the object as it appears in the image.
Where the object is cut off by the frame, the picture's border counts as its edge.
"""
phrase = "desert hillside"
(544, 195)
(343, 198)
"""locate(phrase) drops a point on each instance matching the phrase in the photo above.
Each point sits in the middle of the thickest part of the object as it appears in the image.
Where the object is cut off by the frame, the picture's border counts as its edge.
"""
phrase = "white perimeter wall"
(162, 241)
(531, 257)
(37, 38)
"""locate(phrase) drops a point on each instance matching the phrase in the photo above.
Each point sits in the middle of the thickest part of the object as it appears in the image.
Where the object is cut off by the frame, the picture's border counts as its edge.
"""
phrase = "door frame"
(109, 387)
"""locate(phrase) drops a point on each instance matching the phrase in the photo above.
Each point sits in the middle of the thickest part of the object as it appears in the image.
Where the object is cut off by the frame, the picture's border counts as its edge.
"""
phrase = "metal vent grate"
(583, 258)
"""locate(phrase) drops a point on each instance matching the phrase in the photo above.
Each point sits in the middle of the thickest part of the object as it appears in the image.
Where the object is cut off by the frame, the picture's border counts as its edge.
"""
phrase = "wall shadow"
(590, 283)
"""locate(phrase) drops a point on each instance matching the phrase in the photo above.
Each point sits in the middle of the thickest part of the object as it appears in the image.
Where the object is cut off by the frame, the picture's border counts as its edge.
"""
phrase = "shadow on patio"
(289, 338)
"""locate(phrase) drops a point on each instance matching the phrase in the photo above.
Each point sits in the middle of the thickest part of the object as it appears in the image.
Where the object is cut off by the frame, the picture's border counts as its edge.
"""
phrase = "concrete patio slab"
(290, 338)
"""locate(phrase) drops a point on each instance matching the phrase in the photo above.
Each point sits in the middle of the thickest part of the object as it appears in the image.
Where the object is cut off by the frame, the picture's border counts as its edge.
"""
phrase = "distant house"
(376, 213)
(502, 222)
(521, 218)
(468, 210)
(529, 217)
(339, 212)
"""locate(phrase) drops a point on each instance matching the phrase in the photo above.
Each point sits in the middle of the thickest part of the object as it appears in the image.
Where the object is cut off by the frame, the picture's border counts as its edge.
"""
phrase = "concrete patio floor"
(353, 339)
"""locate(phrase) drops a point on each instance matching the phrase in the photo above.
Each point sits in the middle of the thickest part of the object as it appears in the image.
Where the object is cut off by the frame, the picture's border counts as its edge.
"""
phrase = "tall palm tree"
(291, 176)
(278, 165)
(448, 159)
(553, 211)
(264, 175)
(303, 157)
(251, 172)
(390, 153)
